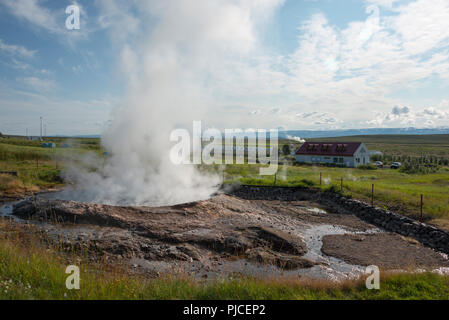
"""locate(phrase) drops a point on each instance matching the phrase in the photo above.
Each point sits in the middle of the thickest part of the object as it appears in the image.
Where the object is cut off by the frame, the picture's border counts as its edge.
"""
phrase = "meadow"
(37, 168)
(40, 169)
(393, 189)
(33, 269)
(402, 145)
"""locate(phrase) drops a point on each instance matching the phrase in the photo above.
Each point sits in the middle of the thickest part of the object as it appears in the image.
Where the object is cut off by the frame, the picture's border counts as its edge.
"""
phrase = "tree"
(286, 149)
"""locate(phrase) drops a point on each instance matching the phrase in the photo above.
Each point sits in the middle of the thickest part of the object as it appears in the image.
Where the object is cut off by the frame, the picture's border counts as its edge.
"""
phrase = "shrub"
(367, 167)
(307, 182)
(332, 189)
(414, 168)
(50, 176)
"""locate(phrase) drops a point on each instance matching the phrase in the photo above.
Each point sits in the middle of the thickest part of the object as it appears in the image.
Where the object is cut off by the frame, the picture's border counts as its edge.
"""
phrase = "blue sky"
(296, 64)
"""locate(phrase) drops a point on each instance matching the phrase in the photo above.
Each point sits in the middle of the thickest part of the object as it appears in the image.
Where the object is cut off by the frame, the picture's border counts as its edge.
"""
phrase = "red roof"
(346, 149)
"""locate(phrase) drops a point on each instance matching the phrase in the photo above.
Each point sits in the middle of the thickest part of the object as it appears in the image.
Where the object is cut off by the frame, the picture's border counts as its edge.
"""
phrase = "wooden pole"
(341, 184)
(421, 208)
(37, 162)
(320, 178)
(275, 177)
(372, 195)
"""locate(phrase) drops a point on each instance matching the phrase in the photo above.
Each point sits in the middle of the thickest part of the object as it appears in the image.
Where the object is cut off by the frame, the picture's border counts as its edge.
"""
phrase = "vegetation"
(37, 168)
(393, 189)
(398, 190)
(396, 147)
(29, 270)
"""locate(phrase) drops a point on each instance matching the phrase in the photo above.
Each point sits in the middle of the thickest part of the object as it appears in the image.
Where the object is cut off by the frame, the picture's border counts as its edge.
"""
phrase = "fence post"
(421, 220)
(320, 178)
(37, 162)
(275, 177)
(372, 195)
(341, 184)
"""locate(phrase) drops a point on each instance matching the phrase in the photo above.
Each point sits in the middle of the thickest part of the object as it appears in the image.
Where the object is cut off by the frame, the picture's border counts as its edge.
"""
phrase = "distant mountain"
(304, 134)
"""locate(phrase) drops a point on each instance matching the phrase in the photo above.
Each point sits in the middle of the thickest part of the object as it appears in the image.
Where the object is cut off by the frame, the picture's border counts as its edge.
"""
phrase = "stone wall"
(428, 235)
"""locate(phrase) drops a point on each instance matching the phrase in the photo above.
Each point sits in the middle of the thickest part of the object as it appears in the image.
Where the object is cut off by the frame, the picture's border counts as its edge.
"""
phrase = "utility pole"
(41, 128)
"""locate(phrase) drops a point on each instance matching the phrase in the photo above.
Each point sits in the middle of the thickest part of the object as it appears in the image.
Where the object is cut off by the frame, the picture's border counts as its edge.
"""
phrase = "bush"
(376, 157)
(414, 168)
(332, 189)
(367, 167)
(307, 182)
(50, 176)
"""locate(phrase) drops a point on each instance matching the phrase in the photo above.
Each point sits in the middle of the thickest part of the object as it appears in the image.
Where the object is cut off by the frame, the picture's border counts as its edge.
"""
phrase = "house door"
(363, 160)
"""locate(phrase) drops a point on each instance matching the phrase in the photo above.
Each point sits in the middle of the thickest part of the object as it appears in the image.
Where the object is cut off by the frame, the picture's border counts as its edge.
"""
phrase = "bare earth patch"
(386, 250)
(226, 234)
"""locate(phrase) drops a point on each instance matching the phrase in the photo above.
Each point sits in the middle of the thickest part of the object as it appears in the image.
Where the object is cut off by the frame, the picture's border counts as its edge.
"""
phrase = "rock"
(282, 261)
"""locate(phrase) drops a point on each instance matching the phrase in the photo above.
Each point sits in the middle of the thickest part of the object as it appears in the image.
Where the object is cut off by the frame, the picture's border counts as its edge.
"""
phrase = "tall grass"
(392, 188)
(29, 271)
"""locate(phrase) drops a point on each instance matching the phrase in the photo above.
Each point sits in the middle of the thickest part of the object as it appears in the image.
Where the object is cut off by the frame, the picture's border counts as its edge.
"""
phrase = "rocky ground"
(227, 234)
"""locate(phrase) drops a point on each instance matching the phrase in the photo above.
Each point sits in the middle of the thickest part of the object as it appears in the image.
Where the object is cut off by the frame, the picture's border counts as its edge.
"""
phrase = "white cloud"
(383, 3)
(40, 17)
(16, 50)
(85, 116)
(401, 116)
(38, 84)
(32, 12)
(335, 76)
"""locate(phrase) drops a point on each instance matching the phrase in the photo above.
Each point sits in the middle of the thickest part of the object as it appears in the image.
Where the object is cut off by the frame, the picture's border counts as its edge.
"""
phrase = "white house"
(348, 154)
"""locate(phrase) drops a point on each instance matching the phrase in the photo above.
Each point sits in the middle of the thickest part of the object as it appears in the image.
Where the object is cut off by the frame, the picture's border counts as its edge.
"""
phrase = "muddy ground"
(226, 235)
(386, 250)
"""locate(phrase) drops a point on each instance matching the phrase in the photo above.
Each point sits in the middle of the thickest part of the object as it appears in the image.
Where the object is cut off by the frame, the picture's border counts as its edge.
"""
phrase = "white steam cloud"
(172, 62)
(295, 138)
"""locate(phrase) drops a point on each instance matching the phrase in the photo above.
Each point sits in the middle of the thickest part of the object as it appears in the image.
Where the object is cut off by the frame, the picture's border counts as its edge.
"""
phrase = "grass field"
(393, 189)
(37, 168)
(32, 271)
(402, 145)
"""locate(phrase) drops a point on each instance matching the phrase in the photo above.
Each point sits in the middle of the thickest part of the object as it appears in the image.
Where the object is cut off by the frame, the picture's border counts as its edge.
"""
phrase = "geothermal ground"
(226, 235)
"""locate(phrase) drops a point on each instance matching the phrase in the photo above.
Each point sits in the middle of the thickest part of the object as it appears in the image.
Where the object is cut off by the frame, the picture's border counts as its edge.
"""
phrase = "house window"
(335, 160)
(341, 160)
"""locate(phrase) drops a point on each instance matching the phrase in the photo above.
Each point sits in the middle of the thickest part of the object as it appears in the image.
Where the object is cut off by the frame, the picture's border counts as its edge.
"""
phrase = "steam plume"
(172, 60)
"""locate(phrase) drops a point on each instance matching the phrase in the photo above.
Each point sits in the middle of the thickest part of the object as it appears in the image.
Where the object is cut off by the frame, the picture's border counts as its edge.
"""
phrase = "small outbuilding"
(48, 145)
(348, 154)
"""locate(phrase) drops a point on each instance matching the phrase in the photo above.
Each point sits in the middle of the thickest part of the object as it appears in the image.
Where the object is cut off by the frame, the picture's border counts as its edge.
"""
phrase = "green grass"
(402, 145)
(32, 272)
(29, 271)
(38, 168)
(392, 188)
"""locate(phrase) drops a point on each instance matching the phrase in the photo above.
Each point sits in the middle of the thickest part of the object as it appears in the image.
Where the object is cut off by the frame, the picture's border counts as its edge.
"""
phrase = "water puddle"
(6, 211)
(330, 267)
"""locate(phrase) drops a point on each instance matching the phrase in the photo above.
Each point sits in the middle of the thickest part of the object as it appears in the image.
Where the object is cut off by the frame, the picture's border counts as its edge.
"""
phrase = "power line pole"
(41, 128)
